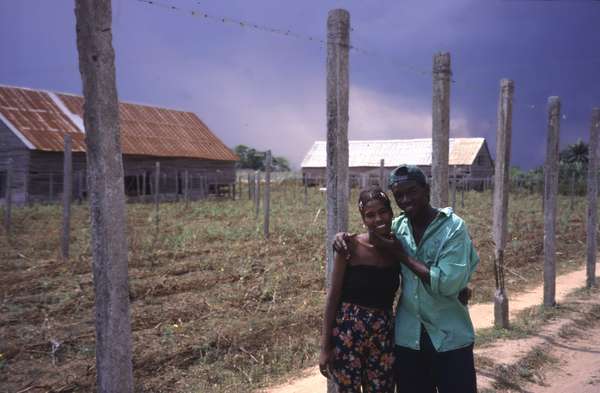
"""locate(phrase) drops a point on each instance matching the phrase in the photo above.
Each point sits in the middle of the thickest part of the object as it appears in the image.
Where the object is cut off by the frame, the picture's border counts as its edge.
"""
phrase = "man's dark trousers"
(421, 371)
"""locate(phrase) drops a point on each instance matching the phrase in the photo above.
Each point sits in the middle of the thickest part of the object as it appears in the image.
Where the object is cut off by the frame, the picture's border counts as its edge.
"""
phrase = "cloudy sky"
(267, 90)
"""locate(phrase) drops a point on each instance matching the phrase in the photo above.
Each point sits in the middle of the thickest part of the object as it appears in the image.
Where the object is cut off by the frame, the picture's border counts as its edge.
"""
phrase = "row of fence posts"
(254, 192)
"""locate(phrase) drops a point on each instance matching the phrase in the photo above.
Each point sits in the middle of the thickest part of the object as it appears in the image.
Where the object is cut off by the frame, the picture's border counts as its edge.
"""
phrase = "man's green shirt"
(448, 251)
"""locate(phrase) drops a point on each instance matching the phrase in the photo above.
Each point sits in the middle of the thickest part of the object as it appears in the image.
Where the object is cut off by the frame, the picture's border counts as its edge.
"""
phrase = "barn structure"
(32, 128)
(469, 159)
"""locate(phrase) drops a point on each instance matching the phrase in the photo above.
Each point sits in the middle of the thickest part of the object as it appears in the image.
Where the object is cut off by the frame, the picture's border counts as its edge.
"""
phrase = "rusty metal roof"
(41, 118)
(368, 153)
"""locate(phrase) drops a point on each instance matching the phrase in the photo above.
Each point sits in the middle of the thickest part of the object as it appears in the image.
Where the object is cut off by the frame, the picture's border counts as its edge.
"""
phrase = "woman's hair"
(373, 193)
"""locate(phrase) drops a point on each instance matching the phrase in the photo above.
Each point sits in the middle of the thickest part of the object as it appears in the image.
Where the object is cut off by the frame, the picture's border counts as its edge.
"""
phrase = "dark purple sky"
(268, 91)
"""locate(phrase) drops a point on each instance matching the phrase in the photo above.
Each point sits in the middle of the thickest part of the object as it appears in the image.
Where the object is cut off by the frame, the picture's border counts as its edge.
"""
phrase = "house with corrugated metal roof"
(32, 128)
(469, 159)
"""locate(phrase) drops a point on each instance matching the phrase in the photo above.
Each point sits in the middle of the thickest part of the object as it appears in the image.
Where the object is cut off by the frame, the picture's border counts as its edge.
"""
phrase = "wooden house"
(469, 159)
(32, 128)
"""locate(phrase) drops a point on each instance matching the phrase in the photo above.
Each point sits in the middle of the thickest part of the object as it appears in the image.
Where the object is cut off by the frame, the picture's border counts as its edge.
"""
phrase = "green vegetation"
(251, 158)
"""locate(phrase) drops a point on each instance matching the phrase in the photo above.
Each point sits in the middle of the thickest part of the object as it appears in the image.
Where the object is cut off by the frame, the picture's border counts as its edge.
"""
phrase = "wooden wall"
(12, 147)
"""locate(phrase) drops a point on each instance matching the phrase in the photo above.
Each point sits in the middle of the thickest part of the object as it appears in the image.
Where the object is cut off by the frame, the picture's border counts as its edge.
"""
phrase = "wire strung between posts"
(281, 32)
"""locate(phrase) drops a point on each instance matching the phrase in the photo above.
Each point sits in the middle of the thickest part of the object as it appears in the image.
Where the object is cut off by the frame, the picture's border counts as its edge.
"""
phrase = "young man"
(434, 335)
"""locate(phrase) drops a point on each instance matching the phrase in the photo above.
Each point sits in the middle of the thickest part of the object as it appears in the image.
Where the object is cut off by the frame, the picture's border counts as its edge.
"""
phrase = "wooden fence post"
(79, 187)
(550, 196)
(305, 180)
(338, 44)
(156, 197)
(338, 40)
(50, 187)
(249, 188)
(186, 183)
(462, 193)
(592, 220)
(454, 187)
(67, 195)
(256, 193)
(266, 204)
(8, 198)
(381, 174)
(107, 197)
(440, 143)
(500, 198)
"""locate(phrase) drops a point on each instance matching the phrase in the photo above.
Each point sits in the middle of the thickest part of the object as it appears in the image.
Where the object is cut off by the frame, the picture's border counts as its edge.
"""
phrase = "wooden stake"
(381, 174)
(338, 42)
(8, 197)
(550, 196)
(107, 197)
(592, 220)
(266, 204)
(440, 144)
(256, 193)
(156, 197)
(500, 199)
(67, 195)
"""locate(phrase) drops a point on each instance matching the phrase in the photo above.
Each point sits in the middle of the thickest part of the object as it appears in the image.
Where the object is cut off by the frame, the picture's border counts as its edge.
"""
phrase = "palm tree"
(574, 160)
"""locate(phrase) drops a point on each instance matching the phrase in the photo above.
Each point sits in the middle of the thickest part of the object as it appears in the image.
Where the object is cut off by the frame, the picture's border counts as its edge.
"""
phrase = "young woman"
(357, 344)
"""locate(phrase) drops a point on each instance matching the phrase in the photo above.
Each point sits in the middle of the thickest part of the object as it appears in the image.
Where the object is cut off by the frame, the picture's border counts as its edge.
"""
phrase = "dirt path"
(578, 365)
(482, 316)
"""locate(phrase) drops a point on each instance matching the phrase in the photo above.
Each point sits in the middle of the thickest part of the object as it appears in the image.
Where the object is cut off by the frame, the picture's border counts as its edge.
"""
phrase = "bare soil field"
(215, 307)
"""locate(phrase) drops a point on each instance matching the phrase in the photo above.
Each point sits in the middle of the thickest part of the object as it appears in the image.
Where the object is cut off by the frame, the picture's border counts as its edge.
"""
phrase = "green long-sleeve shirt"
(448, 251)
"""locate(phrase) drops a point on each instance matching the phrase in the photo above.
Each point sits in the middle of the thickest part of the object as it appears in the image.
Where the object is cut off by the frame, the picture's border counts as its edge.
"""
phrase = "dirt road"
(482, 316)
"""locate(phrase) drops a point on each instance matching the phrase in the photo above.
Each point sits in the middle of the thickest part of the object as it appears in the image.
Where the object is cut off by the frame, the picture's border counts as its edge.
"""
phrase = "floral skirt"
(364, 349)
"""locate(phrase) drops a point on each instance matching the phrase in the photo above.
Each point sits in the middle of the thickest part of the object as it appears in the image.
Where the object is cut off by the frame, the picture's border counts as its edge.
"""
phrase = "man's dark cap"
(407, 173)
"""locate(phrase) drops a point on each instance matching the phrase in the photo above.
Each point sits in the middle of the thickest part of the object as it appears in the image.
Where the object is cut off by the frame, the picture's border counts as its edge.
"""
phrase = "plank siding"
(12, 147)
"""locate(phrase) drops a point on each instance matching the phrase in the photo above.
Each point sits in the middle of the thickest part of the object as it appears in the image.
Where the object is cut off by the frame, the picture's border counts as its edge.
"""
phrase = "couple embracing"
(427, 346)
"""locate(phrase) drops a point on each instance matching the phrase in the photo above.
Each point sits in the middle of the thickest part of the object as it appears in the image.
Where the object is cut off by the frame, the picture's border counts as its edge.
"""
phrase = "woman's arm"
(332, 302)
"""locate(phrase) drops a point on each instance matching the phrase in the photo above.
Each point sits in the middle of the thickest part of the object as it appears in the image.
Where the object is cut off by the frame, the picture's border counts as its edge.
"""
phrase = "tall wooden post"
(67, 195)
(51, 187)
(338, 41)
(249, 188)
(454, 187)
(440, 144)
(186, 184)
(8, 197)
(157, 196)
(550, 196)
(382, 181)
(305, 181)
(266, 204)
(107, 197)
(500, 198)
(256, 193)
(592, 220)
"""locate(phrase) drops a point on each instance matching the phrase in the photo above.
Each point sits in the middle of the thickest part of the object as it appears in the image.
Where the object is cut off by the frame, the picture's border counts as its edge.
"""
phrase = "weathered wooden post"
(256, 193)
(454, 187)
(8, 197)
(79, 187)
(266, 204)
(305, 181)
(249, 188)
(381, 174)
(592, 220)
(144, 176)
(500, 195)
(107, 197)
(67, 195)
(51, 187)
(186, 183)
(462, 194)
(156, 197)
(440, 144)
(338, 43)
(550, 194)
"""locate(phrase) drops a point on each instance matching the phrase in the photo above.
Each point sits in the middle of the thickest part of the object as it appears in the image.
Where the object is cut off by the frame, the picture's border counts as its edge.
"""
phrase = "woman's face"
(377, 217)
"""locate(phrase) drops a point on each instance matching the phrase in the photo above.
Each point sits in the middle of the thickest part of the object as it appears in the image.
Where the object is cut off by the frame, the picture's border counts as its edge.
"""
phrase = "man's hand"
(340, 243)
(389, 244)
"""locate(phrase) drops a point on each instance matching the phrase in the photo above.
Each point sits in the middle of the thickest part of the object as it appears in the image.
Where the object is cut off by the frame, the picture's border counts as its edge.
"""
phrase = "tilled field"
(214, 306)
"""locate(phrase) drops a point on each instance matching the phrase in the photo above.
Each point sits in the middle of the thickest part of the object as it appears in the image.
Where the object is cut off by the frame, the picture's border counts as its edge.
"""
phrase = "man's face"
(410, 196)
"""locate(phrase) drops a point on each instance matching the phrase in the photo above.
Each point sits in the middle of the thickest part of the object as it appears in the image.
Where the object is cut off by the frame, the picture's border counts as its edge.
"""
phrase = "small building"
(32, 128)
(469, 160)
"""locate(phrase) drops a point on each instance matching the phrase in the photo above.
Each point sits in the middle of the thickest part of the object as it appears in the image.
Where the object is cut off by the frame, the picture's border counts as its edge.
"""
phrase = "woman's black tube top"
(370, 286)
